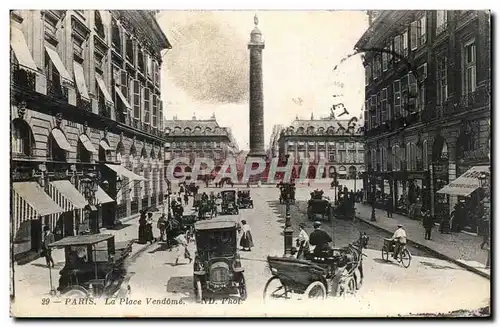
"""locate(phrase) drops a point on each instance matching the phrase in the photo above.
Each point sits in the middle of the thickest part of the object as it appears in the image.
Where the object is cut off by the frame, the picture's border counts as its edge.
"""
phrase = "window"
(442, 79)
(379, 107)
(149, 66)
(366, 115)
(155, 110)
(140, 60)
(146, 105)
(413, 35)
(115, 36)
(412, 92)
(129, 48)
(385, 60)
(332, 156)
(441, 21)
(390, 57)
(404, 94)
(404, 43)
(137, 99)
(375, 68)
(373, 109)
(368, 74)
(422, 31)
(397, 47)
(397, 97)
(99, 27)
(156, 73)
(421, 98)
(383, 105)
(469, 67)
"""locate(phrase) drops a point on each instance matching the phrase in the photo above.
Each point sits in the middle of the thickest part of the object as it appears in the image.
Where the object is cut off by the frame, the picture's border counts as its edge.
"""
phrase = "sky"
(207, 69)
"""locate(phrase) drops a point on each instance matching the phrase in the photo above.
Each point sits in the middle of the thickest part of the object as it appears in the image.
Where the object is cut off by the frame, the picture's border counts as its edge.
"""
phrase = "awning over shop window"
(80, 80)
(466, 183)
(87, 143)
(105, 145)
(21, 50)
(61, 140)
(58, 64)
(39, 201)
(102, 197)
(103, 88)
(123, 172)
(331, 143)
(66, 195)
(122, 97)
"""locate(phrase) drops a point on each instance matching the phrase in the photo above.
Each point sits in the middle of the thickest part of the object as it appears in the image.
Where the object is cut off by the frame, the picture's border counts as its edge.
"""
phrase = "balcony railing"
(83, 103)
(57, 91)
(22, 77)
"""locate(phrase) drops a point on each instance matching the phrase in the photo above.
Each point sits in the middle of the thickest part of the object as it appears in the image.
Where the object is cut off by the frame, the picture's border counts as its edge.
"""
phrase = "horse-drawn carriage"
(207, 208)
(179, 225)
(94, 266)
(340, 272)
(287, 192)
(319, 206)
(229, 204)
(244, 199)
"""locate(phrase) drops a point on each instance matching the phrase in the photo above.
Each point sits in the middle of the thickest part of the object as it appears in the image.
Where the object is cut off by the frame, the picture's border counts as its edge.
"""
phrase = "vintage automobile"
(319, 206)
(94, 266)
(217, 265)
(244, 199)
(207, 208)
(229, 205)
(287, 191)
(339, 272)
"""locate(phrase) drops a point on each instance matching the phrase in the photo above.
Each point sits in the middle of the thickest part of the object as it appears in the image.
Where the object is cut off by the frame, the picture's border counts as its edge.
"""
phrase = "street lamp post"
(288, 232)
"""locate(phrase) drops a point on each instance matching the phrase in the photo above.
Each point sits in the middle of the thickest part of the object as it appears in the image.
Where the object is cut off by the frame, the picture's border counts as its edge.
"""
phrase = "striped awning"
(124, 172)
(34, 201)
(56, 60)
(466, 183)
(66, 195)
(122, 97)
(102, 197)
(20, 47)
(104, 90)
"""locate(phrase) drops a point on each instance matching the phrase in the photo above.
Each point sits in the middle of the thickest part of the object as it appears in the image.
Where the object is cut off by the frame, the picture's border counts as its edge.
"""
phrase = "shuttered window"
(155, 110)
(137, 99)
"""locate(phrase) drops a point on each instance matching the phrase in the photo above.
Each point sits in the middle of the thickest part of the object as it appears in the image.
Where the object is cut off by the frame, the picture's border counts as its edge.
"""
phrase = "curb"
(434, 252)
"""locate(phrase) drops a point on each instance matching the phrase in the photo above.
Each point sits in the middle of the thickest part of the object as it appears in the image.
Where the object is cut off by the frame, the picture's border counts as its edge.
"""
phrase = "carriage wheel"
(405, 258)
(279, 290)
(316, 290)
(198, 291)
(242, 288)
(385, 253)
(75, 291)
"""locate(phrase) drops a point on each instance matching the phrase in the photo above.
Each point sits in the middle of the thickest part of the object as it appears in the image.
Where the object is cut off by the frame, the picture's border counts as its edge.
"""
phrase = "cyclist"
(399, 238)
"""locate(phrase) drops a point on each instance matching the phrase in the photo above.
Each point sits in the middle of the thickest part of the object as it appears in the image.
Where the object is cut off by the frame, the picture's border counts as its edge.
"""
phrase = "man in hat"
(399, 238)
(320, 239)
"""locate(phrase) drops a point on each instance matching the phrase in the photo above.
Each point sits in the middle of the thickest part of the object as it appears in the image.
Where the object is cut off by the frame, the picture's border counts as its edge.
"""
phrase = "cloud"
(210, 61)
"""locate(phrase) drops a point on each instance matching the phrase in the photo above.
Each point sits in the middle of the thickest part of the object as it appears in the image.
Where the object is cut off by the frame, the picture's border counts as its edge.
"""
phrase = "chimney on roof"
(312, 116)
(296, 117)
(213, 116)
(194, 116)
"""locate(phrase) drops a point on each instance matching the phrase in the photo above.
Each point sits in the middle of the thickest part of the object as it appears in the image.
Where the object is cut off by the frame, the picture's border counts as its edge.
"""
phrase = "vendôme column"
(256, 45)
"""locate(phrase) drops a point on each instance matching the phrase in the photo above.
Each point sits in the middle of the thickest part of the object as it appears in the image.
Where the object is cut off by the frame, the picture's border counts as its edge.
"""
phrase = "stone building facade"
(86, 120)
(339, 143)
(198, 138)
(273, 149)
(427, 112)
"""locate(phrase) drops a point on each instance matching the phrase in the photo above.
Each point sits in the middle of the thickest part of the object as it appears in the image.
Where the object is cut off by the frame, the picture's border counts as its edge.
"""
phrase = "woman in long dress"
(246, 241)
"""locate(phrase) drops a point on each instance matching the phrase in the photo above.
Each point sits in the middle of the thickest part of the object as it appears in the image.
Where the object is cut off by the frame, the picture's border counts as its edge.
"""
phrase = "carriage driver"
(321, 240)
(399, 238)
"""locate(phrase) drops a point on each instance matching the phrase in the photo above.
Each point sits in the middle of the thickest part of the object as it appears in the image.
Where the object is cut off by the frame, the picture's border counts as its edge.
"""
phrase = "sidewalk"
(460, 248)
(32, 279)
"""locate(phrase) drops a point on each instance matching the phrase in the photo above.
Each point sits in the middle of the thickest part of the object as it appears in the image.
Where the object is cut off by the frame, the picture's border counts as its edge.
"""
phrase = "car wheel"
(242, 288)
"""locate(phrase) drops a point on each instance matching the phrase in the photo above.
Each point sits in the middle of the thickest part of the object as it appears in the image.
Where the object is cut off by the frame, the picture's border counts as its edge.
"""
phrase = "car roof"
(214, 224)
(82, 240)
(228, 191)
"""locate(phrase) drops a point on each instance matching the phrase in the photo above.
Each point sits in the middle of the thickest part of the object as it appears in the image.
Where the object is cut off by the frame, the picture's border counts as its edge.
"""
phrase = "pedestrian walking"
(302, 241)
(246, 241)
(162, 226)
(389, 207)
(48, 238)
(149, 228)
(428, 223)
(182, 248)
